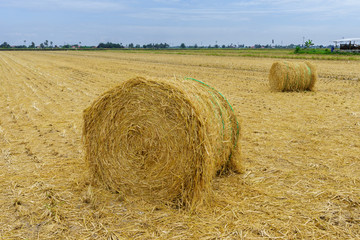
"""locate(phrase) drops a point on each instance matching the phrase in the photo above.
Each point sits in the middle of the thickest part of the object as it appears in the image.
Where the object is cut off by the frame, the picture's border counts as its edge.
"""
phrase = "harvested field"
(301, 151)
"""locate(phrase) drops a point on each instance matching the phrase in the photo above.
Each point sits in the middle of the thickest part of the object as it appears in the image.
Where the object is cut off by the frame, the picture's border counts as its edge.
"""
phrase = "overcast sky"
(201, 22)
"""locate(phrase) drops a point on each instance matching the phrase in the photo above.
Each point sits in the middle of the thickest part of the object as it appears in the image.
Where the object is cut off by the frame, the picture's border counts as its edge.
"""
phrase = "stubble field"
(300, 150)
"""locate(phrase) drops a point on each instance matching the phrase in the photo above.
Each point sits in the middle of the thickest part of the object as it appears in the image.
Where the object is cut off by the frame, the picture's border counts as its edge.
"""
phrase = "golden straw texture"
(161, 140)
(290, 76)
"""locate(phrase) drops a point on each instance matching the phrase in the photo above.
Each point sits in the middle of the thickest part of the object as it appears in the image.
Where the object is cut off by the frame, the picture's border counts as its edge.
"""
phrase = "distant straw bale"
(288, 76)
(161, 140)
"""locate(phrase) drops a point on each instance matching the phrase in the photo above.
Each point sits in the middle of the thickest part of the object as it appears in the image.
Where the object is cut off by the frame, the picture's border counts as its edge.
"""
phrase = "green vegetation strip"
(318, 54)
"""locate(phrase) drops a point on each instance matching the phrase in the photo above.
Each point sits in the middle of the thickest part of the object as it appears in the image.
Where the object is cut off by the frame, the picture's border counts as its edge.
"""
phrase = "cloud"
(332, 8)
(167, 1)
(143, 21)
(240, 11)
(191, 15)
(90, 5)
(72, 5)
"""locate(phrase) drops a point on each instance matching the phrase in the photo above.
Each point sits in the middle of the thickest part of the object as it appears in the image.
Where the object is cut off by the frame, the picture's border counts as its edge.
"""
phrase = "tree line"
(109, 45)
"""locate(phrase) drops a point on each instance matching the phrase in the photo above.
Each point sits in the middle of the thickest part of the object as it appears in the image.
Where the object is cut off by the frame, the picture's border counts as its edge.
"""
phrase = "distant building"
(348, 44)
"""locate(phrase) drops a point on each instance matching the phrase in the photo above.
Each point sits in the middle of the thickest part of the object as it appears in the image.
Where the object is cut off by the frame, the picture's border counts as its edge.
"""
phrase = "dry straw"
(290, 76)
(161, 140)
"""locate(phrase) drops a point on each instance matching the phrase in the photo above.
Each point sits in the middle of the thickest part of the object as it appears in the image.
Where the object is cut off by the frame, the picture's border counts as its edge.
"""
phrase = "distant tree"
(5, 45)
(137, 46)
(182, 45)
(110, 45)
(161, 45)
(20, 46)
(32, 45)
(309, 43)
(131, 45)
(291, 46)
(46, 43)
(155, 45)
(42, 45)
(51, 44)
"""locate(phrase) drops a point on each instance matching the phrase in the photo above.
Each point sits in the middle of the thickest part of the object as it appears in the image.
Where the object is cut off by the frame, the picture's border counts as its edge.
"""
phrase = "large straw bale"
(291, 76)
(161, 140)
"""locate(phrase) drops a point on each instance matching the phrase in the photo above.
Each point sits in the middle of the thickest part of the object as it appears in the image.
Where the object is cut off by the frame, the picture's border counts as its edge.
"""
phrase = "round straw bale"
(162, 140)
(290, 76)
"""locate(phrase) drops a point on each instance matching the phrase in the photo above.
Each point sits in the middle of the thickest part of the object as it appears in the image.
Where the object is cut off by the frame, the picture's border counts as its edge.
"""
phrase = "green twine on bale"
(237, 123)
